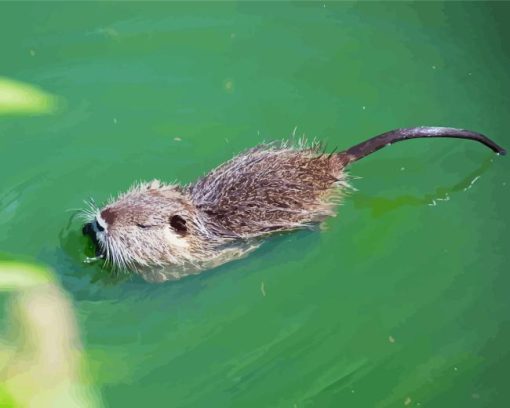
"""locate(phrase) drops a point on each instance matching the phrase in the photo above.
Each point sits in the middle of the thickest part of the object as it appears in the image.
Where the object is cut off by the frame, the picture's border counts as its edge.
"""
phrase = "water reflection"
(380, 206)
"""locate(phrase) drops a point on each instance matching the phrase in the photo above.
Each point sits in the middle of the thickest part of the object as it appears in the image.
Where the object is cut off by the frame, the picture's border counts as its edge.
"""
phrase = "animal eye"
(178, 224)
(143, 226)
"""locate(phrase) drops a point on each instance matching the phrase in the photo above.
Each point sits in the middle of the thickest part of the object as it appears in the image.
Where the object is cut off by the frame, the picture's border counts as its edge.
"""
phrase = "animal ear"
(178, 224)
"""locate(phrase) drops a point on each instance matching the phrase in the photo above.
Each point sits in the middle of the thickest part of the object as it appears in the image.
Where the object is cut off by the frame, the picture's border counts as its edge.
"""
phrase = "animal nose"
(98, 226)
(91, 228)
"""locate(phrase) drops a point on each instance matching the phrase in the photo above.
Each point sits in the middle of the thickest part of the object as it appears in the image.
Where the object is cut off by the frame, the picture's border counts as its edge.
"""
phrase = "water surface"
(401, 301)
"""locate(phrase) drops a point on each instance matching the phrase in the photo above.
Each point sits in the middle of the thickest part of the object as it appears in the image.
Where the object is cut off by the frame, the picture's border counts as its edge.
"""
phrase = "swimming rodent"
(167, 231)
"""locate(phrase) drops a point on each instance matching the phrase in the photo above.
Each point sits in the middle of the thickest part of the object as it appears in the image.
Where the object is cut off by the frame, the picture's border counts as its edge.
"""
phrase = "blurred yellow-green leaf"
(21, 98)
(16, 276)
(42, 363)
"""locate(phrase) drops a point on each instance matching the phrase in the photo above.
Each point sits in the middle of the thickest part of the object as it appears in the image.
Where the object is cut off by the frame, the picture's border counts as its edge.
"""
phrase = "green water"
(398, 302)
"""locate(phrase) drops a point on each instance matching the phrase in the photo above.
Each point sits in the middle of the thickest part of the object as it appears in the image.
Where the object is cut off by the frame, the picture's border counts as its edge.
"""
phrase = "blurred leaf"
(22, 98)
(43, 364)
(16, 276)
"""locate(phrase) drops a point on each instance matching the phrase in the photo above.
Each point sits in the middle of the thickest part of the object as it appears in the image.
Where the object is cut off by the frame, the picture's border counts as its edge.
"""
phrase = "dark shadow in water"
(80, 247)
(380, 206)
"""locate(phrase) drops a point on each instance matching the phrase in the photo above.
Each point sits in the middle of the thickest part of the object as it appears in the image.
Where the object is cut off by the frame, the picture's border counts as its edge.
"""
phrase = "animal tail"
(370, 146)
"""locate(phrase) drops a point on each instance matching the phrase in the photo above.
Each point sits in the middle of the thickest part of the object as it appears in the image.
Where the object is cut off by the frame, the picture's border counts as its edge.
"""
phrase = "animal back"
(268, 189)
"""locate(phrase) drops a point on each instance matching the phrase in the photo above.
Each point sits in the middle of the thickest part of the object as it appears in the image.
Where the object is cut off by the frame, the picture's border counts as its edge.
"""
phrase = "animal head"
(146, 226)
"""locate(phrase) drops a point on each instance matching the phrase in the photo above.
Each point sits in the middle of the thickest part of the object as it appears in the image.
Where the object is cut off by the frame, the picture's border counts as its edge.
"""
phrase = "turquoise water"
(402, 300)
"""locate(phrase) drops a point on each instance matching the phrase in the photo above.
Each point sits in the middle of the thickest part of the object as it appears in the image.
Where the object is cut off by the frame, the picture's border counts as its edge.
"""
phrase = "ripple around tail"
(380, 206)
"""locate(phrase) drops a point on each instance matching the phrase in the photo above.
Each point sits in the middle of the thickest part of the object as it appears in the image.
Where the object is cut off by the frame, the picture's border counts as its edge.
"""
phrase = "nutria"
(167, 231)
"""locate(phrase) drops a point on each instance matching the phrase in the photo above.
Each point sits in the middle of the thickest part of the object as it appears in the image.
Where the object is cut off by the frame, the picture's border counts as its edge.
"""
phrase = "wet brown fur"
(268, 189)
